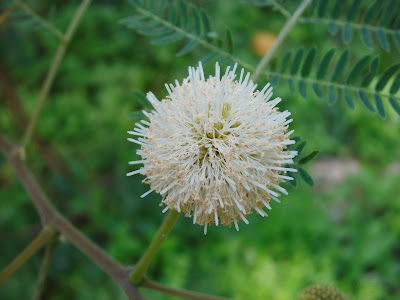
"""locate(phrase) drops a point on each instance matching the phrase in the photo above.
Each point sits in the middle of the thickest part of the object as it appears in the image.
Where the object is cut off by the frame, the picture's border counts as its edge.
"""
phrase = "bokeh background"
(344, 231)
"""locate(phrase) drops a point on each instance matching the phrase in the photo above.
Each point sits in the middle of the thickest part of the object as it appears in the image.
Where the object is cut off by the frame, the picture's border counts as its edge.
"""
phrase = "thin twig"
(153, 285)
(40, 240)
(340, 23)
(51, 216)
(48, 82)
(192, 36)
(281, 37)
(280, 8)
(39, 19)
(44, 270)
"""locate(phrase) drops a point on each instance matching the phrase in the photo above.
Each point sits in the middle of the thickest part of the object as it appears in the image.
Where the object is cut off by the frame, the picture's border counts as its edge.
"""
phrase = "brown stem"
(150, 284)
(51, 216)
(41, 239)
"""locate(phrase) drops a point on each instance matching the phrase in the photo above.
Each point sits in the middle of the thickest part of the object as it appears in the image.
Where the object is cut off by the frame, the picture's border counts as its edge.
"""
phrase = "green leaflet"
(302, 89)
(323, 6)
(395, 104)
(388, 13)
(373, 11)
(300, 147)
(135, 115)
(333, 28)
(308, 63)
(395, 85)
(196, 19)
(290, 83)
(206, 22)
(142, 98)
(348, 98)
(209, 58)
(364, 99)
(294, 181)
(353, 11)
(383, 40)
(323, 67)
(332, 94)
(143, 25)
(224, 61)
(366, 37)
(347, 33)
(337, 9)
(386, 76)
(168, 39)
(285, 61)
(379, 106)
(396, 38)
(372, 71)
(341, 64)
(275, 80)
(185, 18)
(355, 72)
(306, 177)
(188, 47)
(308, 157)
(318, 90)
(296, 62)
(155, 31)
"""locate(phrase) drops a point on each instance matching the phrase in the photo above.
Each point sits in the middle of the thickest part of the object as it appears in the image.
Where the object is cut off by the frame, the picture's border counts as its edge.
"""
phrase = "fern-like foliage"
(380, 19)
(300, 161)
(331, 76)
(274, 4)
(171, 21)
(351, 81)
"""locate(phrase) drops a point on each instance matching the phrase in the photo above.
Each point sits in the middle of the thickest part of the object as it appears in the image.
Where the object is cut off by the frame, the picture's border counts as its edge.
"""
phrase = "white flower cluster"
(215, 148)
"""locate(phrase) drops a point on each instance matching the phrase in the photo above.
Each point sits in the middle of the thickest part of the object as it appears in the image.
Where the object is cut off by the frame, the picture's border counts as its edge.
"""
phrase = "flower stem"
(41, 239)
(281, 37)
(178, 292)
(144, 263)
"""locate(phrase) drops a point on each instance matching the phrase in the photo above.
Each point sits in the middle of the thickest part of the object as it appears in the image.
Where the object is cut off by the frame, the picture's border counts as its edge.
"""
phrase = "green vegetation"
(343, 234)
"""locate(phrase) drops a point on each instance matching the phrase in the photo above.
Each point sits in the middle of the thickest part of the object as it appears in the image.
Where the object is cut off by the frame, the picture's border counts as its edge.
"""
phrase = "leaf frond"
(172, 21)
(380, 20)
(350, 80)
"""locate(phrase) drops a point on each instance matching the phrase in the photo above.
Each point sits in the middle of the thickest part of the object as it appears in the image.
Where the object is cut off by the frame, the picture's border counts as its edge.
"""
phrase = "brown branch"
(153, 285)
(51, 216)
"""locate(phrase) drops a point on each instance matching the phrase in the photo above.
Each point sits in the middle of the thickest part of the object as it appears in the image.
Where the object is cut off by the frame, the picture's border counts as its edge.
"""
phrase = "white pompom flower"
(215, 148)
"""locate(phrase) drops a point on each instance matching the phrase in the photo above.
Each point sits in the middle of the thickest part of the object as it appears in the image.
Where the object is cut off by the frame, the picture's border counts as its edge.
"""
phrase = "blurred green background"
(342, 232)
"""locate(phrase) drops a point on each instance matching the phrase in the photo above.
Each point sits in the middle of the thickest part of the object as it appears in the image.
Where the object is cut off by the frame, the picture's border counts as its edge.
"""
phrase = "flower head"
(321, 292)
(215, 148)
